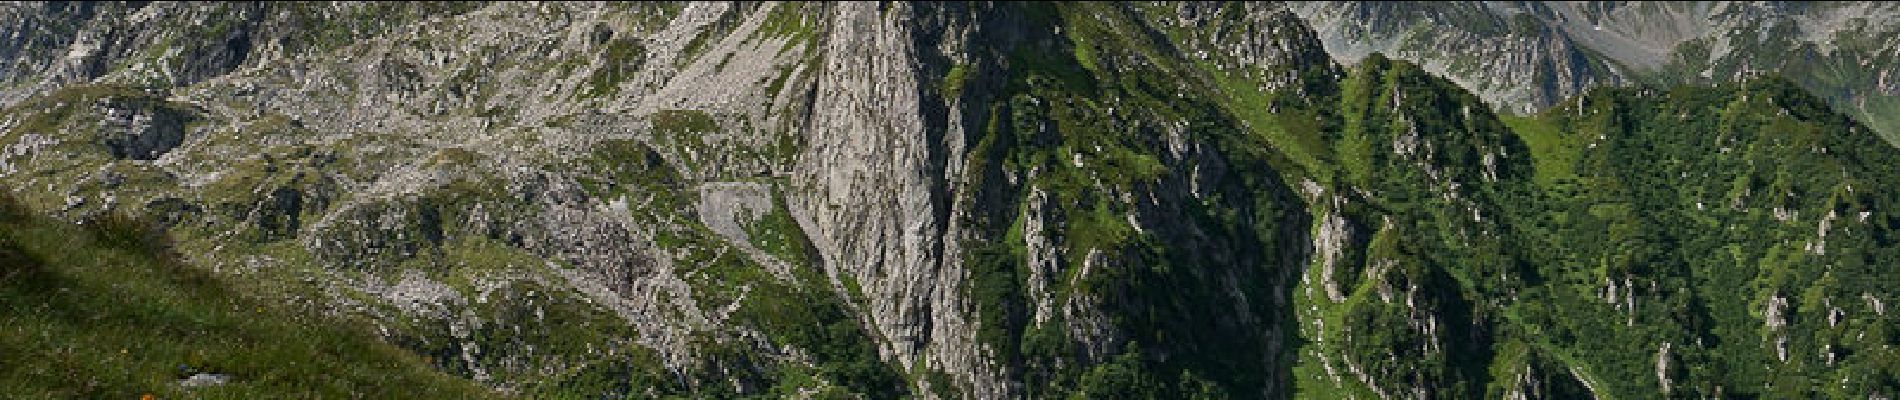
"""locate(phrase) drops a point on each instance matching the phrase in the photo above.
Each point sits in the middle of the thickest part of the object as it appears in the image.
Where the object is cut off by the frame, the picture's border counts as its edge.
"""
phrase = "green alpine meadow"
(950, 200)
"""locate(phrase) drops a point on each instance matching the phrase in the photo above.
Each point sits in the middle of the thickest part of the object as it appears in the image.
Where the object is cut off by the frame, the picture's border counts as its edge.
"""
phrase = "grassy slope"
(98, 312)
(1615, 193)
(1743, 149)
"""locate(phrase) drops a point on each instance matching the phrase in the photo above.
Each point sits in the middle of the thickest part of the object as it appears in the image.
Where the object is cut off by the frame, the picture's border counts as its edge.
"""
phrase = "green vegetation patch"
(623, 57)
(104, 311)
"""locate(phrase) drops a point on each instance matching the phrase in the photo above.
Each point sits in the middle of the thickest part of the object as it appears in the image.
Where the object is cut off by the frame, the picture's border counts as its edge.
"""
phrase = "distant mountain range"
(1524, 56)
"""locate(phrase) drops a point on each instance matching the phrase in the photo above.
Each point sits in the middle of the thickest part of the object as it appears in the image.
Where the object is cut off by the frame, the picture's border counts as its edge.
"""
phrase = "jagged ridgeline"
(1526, 56)
(943, 200)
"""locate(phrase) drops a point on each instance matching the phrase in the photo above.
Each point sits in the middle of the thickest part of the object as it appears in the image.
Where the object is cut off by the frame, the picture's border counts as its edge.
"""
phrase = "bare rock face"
(1510, 59)
(140, 131)
(1263, 41)
(870, 189)
(1525, 56)
(728, 208)
(869, 206)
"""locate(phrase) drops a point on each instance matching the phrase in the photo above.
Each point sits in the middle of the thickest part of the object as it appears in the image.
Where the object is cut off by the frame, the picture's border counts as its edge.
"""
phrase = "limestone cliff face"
(1513, 61)
(871, 188)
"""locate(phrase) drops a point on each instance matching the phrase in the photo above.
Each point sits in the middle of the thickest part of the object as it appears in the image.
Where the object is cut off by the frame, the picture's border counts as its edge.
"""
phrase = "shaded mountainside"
(1525, 56)
(1009, 200)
